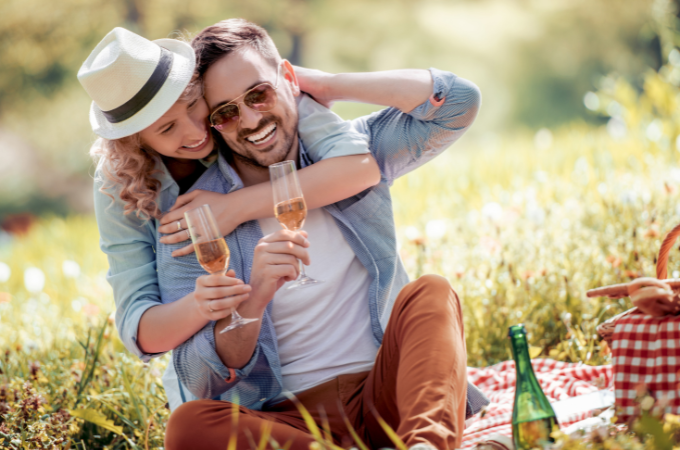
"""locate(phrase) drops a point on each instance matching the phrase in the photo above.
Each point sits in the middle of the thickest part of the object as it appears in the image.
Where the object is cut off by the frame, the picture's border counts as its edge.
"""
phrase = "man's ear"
(290, 77)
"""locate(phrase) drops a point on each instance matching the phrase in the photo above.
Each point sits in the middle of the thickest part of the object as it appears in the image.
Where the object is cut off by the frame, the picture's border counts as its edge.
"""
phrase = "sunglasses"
(261, 98)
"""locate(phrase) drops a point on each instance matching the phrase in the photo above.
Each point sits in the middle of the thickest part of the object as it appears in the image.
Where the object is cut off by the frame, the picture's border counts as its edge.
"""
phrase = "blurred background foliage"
(533, 60)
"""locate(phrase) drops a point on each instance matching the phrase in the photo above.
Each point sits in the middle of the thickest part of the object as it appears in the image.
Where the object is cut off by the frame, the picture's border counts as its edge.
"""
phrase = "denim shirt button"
(263, 399)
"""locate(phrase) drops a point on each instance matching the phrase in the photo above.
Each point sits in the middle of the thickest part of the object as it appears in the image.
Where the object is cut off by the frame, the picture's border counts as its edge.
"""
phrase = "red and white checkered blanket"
(646, 356)
(559, 381)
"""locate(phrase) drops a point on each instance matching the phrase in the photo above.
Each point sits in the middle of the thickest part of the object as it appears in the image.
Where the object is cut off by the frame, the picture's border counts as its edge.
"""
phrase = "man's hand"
(315, 83)
(217, 295)
(276, 262)
(220, 205)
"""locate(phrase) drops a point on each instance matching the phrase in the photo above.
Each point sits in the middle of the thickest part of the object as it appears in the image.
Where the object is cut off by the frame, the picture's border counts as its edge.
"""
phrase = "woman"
(155, 143)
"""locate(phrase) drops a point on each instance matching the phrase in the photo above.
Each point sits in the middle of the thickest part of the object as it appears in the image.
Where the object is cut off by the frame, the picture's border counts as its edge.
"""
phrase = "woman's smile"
(199, 145)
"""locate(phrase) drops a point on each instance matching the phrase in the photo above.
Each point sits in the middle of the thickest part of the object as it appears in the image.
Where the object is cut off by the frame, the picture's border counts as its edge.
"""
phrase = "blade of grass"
(131, 394)
(388, 430)
(352, 431)
(234, 427)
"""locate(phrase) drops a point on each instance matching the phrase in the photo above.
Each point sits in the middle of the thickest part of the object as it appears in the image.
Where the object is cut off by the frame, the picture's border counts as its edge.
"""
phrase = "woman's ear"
(290, 77)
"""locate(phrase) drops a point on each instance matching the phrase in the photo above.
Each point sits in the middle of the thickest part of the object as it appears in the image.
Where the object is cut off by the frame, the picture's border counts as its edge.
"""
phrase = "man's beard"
(285, 142)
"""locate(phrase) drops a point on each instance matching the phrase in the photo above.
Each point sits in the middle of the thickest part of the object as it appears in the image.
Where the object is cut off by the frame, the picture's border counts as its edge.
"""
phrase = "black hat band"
(146, 93)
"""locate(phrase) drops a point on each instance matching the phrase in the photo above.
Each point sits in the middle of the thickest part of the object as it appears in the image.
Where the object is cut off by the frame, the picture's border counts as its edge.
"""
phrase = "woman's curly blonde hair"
(129, 167)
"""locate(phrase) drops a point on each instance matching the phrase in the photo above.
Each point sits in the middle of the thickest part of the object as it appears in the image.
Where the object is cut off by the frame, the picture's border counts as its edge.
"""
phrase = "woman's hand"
(217, 295)
(219, 205)
(315, 83)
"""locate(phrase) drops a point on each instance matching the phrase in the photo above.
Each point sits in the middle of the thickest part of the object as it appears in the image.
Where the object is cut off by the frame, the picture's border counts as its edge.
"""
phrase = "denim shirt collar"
(163, 175)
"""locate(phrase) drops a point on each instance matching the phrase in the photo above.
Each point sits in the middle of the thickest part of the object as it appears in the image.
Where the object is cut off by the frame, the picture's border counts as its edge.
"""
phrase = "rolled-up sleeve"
(402, 142)
(200, 368)
(128, 244)
(325, 135)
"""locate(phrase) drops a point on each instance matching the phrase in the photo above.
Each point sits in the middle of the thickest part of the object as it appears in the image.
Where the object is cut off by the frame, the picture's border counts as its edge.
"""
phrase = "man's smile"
(263, 136)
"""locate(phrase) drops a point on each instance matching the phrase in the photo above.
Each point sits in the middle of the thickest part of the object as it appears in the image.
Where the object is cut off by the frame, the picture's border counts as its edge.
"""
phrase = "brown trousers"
(418, 386)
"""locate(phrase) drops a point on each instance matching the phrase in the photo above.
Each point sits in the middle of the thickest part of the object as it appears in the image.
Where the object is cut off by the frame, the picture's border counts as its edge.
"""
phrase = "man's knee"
(429, 294)
(184, 427)
(435, 287)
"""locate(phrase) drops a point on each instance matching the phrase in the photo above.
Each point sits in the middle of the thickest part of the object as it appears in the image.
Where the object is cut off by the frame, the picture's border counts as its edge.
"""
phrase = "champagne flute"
(212, 251)
(290, 208)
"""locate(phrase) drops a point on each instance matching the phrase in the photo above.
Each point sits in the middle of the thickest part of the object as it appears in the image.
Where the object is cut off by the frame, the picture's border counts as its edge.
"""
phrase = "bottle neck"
(520, 352)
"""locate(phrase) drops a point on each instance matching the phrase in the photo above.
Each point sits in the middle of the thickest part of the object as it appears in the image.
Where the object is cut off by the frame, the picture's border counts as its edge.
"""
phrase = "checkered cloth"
(646, 354)
(559, 381)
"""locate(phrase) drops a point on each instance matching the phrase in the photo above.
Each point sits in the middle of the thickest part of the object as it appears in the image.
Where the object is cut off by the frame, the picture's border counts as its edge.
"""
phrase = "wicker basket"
(657, 297)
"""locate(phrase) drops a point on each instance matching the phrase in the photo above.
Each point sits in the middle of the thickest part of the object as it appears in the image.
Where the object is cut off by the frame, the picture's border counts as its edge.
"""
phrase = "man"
(363, 344)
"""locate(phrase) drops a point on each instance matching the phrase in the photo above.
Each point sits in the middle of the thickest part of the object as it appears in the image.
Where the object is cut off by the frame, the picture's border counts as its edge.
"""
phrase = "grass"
(521, 233)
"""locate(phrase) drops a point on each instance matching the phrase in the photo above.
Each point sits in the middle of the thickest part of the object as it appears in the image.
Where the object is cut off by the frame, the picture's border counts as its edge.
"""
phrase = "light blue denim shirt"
(400, 143)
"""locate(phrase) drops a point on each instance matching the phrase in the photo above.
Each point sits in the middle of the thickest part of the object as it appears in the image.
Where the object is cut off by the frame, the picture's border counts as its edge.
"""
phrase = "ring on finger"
(179, 225)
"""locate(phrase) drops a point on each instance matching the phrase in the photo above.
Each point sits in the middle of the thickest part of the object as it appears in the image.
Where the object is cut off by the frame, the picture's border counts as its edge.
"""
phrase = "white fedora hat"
(133, 81)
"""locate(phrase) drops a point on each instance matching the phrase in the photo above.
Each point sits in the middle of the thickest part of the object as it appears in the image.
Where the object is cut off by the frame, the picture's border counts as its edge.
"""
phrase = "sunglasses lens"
(261, 98)
(225, 118)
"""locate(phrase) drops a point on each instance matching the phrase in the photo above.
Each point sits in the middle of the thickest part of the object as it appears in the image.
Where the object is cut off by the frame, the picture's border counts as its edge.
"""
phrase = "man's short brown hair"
(227, 36)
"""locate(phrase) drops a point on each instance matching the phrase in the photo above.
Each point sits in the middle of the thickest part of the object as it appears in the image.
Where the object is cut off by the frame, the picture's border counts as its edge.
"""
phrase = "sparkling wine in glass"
(290, 208)
(211, 251)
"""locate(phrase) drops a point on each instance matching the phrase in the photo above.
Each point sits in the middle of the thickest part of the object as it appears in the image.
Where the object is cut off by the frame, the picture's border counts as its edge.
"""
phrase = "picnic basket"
(645, 340)
(606, 329)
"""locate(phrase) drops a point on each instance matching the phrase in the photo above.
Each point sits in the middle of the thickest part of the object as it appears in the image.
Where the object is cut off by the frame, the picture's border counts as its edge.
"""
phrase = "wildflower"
(591, 101)
(615, 261)
(652, 232)
(654, 131)
(647, 403)
(435, 229)
(71, 269)
(543, 139)
(34, 280)
(492, 211)
(617, 128)
(5, 297)
(641, 389)
(91, 310)
(112, 318)
(604, 348)
(34, 367)
(5, 272)
(491, 245)
(413, 234)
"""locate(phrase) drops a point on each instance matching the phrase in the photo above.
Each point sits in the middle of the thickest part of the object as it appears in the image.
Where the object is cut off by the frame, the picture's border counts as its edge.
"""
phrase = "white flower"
(412, 233)
(435, 229)
(535, 213)
(34, 280)
(617, 128)
(77, 305)
(654, 131)
(592, 101)
(70, 268)
(492, 211)
(5, 272)
(543, 139)
(541, 176)
(614, 109)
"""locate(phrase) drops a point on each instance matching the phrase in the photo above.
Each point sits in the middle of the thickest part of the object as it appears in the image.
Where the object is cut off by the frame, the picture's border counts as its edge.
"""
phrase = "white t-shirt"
(323, 330)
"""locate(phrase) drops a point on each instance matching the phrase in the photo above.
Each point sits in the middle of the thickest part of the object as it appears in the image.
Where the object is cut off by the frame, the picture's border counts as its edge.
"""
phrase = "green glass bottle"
(533, 419)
